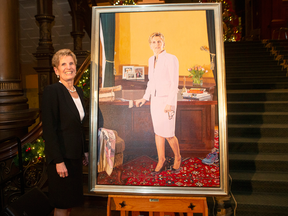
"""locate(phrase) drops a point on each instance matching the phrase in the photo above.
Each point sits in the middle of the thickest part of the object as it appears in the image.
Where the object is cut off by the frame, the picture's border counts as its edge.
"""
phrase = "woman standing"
(62, 116)
(162, 88)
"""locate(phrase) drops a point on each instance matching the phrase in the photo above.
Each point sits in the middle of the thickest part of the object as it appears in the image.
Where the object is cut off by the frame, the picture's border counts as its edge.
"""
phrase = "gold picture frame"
(187, 37)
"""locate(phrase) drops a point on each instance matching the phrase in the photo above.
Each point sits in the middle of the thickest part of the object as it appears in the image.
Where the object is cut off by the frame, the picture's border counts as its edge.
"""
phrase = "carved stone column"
(45, 49)
(15, 115)
(77, 12)
(80, 54)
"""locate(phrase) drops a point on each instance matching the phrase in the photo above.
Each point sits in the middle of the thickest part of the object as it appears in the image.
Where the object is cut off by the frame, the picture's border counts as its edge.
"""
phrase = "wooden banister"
(82, 69)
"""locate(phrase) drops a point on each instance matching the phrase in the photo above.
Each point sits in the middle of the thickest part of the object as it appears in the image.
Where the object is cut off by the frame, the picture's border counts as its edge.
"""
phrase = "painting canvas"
(124, 139)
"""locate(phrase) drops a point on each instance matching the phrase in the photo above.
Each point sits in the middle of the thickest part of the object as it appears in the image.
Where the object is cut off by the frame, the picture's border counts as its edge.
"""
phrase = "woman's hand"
(86, 159)
(167, 108)
(62, 170)
(140, 102)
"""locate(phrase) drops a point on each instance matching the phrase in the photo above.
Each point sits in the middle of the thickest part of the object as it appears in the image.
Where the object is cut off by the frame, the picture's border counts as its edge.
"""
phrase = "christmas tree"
(231, 22)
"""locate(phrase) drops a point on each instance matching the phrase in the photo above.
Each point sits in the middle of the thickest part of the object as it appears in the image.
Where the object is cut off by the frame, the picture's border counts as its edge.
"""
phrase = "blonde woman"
(63, 114)
(162, 89)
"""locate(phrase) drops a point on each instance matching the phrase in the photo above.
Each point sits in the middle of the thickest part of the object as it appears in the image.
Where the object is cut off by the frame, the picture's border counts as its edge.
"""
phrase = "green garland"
(84, 83)
(32, 152)
(232, 30)
(231, 24)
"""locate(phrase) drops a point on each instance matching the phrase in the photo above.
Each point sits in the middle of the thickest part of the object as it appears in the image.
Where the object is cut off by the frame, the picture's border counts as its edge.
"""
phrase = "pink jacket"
(163, 80)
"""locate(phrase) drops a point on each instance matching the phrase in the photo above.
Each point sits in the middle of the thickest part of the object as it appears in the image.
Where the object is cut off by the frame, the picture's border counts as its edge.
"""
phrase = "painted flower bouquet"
(196, 73)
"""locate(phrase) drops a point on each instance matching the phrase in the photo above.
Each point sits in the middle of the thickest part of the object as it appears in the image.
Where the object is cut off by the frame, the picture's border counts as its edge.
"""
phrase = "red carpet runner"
(193, 173)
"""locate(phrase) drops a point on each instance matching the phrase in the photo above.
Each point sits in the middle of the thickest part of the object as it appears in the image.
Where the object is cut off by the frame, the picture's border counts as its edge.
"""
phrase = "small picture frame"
(128, 70)
(139, 72)
(131, 75)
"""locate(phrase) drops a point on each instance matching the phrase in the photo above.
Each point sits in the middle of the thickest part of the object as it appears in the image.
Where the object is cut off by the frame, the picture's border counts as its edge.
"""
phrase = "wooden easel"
(156, 204)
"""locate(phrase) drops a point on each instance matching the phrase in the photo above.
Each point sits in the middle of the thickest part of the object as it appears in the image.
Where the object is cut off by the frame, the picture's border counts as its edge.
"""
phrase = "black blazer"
(63, 130)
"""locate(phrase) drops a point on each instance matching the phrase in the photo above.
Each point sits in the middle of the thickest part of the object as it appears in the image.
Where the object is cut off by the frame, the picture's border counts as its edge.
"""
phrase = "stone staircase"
(257, 102)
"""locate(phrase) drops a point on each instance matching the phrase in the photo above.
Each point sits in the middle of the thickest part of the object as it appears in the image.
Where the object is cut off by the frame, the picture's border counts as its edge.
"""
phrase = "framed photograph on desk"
(130, 153)
(139, 71)
(128, 70)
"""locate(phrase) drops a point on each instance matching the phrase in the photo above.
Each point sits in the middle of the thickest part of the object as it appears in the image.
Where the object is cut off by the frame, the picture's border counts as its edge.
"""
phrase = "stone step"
(258, 130)
(259, 60)
(259, 182)
(281, 48)
(257, 106)
(248, 67)
(257, 74)
(257, 95)
(239, 52)
(257, 117)
(273, 145)
(256, 55)
(244, 66)
(267, 162)
(244, 47)
(278, 42)
(244, 44)
(257, 204)
(284, 54)
(253, 86)
(265, 70)
(278, 79)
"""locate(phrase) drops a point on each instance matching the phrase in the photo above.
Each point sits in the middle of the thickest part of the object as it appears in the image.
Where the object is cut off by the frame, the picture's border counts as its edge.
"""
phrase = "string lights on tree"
(231, 22)
(32, 152)
(84, 83)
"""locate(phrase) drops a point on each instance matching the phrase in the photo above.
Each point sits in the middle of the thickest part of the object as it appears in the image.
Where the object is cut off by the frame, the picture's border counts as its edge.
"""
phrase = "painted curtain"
(108, 44)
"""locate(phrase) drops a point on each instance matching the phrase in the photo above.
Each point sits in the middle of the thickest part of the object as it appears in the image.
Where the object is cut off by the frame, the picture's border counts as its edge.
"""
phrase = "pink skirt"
(163, 126)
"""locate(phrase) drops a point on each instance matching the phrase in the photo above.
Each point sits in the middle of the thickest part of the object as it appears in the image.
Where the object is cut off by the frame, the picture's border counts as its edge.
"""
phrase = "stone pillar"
(78, 32)
(80, 54)
(15, 116)
(45, 49)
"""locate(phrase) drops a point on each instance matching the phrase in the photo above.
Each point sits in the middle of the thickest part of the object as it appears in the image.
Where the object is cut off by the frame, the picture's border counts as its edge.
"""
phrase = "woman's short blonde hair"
(59, 54)
(157, 34)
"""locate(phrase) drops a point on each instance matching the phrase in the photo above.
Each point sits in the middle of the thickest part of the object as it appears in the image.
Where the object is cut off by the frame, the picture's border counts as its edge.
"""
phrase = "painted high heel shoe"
(176, 171)
(160, 170)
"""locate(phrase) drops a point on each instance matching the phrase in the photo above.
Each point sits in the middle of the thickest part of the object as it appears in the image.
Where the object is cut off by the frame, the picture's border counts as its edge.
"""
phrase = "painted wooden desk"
(195, 122)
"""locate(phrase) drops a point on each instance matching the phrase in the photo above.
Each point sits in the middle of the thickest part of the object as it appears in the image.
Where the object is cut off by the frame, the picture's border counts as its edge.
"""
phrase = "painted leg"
(160, 145)
(174, 144)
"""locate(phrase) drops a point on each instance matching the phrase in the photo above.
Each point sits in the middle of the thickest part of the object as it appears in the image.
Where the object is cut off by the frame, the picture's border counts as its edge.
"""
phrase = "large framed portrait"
(165, 133)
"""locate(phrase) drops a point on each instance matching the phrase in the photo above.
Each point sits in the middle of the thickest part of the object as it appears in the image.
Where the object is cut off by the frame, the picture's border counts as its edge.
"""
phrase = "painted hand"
(140, 102)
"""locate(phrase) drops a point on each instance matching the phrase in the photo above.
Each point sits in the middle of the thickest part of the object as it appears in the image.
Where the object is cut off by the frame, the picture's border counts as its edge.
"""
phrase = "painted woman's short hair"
(157, 34)
(61, 53)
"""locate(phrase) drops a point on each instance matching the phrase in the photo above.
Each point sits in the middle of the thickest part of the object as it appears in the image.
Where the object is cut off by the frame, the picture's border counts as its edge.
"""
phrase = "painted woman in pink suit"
(162, 89)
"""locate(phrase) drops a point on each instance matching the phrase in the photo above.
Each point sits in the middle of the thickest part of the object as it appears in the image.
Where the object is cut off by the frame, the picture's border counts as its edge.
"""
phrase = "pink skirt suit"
(162, 87)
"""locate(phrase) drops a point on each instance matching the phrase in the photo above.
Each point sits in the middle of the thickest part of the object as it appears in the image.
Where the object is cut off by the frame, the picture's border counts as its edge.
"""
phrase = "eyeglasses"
(171, 114)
